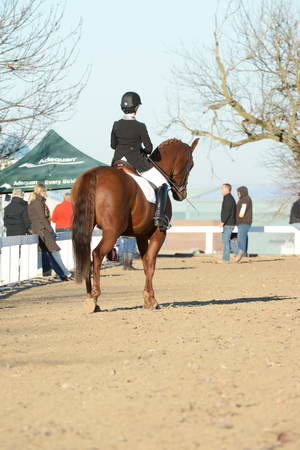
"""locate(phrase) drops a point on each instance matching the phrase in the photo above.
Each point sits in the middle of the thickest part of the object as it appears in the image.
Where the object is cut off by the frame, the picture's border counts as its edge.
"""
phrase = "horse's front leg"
(149, 262)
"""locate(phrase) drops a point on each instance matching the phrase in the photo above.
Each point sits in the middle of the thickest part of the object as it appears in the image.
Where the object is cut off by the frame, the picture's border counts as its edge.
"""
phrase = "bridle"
(177, 186)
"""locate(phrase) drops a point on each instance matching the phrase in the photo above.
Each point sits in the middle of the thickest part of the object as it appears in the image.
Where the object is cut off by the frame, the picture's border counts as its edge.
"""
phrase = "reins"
(178, 188)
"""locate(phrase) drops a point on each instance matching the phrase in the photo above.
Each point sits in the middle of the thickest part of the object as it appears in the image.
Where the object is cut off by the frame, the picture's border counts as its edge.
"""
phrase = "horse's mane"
(169, 142)
(156, 155)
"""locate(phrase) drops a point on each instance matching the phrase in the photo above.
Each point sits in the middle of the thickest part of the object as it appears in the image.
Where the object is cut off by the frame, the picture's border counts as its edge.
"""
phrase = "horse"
(110, 199)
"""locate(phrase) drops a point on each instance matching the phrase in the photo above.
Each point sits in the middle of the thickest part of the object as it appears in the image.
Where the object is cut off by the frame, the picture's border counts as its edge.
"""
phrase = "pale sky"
(131, 46)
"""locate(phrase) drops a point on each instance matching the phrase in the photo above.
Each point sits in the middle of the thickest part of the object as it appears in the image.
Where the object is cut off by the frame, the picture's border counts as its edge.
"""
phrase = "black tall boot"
(160, 218)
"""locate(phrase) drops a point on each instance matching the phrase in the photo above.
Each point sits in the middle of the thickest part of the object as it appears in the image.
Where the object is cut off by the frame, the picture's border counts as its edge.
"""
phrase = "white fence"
(19, 255)
(210, 230)
(20, 258)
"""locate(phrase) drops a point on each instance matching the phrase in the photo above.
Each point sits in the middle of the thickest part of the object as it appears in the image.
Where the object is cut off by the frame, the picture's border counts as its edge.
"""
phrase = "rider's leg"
(160, 218)
(154, 176)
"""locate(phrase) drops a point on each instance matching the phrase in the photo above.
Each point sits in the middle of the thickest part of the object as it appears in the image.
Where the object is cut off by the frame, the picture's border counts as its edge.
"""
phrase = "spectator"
(127, 249)
(243, 220)
(63, 215)
(295, 214)
(39, 215)
(228, 213)
(16, 220)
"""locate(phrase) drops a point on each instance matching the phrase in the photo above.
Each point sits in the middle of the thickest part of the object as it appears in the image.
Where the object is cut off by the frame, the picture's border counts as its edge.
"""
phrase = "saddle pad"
(147, 189)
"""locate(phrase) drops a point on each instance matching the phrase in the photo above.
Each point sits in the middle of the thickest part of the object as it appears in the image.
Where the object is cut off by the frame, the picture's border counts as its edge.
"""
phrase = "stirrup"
(162, 222)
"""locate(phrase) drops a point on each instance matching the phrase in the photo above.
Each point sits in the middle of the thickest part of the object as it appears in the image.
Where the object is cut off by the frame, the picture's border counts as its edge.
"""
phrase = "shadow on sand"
(196, 303)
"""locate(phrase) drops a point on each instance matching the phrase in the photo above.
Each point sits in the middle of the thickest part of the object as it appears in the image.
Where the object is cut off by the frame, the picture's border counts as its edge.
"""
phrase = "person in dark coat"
(39, 215)
(16, 220)
(228, 213)
(295, 213)
(244, 213)
(131, 142)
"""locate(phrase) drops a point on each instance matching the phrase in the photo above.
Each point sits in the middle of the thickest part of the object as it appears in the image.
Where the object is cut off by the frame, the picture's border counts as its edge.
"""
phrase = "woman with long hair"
(39, 215)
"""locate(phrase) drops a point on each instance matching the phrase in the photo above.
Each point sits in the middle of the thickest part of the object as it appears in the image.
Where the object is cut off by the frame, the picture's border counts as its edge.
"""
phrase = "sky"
(131, 45)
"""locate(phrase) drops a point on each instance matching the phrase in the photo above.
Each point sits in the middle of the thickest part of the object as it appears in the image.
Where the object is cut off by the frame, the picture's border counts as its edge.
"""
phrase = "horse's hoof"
(90, 306)
(155, 307)
(152, 308)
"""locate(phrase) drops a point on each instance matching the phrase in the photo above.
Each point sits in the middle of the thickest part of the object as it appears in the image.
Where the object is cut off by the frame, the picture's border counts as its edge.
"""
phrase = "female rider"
(131, 142)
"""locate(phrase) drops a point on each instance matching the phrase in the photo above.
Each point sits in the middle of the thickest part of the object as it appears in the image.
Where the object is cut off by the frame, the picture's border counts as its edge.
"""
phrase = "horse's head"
(176, 159)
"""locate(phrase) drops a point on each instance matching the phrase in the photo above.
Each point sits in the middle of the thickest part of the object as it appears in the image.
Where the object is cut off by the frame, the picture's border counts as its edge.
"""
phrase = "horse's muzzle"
(179, 196)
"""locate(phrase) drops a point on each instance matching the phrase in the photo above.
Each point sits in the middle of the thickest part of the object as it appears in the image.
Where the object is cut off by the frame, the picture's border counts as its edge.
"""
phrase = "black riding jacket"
(127, 138)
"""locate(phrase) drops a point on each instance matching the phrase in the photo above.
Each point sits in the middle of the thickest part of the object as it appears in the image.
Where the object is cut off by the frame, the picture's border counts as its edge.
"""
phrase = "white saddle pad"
(146, 187)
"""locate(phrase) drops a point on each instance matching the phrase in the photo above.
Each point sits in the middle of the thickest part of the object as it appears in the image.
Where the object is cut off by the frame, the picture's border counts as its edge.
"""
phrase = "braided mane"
(169, 142)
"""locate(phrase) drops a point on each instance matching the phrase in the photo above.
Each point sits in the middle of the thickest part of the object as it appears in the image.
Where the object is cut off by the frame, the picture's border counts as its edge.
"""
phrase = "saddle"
(125, 165)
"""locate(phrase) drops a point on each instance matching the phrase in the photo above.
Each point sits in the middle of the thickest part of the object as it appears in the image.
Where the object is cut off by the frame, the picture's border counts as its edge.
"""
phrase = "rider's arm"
(113, 139)
(146, 139)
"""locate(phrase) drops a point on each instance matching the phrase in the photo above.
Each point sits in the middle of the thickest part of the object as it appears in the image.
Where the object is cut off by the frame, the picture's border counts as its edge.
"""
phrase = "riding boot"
(160, 218)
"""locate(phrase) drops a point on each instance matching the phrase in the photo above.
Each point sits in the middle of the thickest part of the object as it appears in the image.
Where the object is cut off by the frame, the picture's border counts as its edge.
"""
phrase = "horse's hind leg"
(106, 244)
(89, 302)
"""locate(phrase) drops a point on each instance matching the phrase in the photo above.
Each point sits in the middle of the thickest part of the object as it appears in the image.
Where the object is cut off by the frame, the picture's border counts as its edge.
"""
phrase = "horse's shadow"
(197, 303)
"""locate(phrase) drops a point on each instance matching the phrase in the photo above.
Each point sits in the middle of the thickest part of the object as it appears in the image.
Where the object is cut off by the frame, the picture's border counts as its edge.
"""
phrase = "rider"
(127, 137)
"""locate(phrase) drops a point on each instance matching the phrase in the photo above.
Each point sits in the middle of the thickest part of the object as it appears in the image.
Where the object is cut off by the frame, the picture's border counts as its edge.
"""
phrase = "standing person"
(39, 215)
(127, 248)
(62, 215)
(228, 213)
(16, 220)
(295, 213)
(131, 142)
(243, 220)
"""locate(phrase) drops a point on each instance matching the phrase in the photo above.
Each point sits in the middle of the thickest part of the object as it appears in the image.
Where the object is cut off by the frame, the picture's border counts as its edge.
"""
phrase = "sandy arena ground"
(216, 368)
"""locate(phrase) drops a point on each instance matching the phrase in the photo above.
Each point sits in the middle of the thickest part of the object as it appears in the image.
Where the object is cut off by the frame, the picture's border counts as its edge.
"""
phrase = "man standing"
(228, 214)
(63, 215)
(243, 220)
(295, 214)
(16, 220)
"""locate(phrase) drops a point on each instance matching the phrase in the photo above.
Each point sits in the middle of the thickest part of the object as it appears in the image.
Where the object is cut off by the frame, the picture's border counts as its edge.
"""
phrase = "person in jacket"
(39, 215)
(228, 213)
(131, 142)
(295, 213)
(16, 220)
(243, 220)
(62, 215)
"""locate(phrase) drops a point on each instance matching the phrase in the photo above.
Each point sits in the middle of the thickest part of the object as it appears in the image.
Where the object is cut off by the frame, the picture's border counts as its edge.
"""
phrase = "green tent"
(54, 162)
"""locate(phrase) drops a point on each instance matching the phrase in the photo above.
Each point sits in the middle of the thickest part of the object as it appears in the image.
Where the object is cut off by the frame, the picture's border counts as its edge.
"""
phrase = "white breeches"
(154, 176)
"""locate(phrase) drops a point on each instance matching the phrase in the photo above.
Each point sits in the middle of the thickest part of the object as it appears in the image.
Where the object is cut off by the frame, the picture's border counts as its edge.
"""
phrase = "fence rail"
(211, 230)
(19, 255)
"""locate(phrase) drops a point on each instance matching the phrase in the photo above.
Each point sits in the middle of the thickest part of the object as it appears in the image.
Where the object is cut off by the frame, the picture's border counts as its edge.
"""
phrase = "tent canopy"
(53, 161)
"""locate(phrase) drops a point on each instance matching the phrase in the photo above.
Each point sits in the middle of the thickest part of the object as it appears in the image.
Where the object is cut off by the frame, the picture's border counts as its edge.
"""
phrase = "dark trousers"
(49, 262)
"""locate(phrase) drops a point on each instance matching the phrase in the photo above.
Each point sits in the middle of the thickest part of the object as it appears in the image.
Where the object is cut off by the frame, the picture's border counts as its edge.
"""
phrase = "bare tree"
(246, 87)
(36, 58)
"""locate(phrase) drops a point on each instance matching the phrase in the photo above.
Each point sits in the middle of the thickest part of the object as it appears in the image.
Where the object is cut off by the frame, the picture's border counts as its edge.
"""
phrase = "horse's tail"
(83, 224)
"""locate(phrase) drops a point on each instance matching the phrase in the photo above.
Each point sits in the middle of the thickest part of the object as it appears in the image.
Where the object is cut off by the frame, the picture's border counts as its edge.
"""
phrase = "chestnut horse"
(110, 199)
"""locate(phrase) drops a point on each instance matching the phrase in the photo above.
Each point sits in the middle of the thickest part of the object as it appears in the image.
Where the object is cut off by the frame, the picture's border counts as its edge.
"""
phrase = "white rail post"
(297, 242)
(209, 242)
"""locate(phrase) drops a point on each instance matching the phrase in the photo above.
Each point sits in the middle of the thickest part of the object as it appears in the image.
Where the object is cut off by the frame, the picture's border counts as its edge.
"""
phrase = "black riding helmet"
(130, 101)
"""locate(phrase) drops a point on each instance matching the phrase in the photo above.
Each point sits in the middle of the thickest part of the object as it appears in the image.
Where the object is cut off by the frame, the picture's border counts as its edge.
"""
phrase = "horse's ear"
(194, 144)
